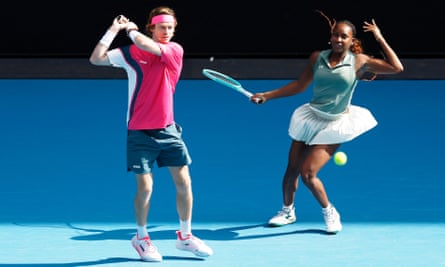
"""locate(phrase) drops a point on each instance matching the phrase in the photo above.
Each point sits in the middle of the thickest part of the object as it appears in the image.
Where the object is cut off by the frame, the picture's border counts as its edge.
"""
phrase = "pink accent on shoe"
(145, 248)
(193, 244)
(179, 234)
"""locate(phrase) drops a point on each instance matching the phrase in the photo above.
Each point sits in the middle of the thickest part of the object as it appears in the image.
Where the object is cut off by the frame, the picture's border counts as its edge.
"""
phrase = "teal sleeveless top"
(333, 87)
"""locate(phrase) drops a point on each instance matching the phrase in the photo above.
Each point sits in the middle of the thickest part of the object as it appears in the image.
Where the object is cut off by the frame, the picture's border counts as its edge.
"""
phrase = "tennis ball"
(340, 158)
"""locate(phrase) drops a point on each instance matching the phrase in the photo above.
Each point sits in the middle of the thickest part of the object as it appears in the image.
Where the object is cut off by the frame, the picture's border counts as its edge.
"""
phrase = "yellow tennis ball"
(340, 158)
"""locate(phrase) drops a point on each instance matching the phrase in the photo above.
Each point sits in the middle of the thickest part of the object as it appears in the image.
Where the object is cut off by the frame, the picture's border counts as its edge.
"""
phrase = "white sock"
(185, 227)
(288, 208)
(142, 231)
(328, 207)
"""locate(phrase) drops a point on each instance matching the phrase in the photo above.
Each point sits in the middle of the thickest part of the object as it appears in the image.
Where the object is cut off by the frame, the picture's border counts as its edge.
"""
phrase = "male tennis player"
(153, 65)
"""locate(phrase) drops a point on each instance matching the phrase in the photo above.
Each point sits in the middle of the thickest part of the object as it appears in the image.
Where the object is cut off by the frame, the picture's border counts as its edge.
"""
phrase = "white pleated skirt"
(313, 126)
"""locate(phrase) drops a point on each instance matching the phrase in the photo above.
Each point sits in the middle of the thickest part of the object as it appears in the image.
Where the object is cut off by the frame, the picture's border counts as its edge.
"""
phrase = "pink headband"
(162, 18)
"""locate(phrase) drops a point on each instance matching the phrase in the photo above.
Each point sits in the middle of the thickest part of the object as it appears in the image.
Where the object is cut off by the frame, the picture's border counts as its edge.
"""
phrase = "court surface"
(66, 198)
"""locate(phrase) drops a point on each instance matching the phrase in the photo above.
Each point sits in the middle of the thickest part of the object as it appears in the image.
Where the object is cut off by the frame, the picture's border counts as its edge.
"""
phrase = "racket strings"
(221, 77)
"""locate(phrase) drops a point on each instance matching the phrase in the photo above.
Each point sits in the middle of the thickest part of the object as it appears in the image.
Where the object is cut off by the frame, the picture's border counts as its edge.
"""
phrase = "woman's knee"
(308, 175)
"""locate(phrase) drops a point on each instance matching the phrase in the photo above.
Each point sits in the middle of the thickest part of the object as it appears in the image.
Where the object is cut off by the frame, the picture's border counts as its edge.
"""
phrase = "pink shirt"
(151, 83)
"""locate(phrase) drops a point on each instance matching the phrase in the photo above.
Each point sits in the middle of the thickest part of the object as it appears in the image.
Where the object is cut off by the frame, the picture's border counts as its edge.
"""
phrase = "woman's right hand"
(258, 98)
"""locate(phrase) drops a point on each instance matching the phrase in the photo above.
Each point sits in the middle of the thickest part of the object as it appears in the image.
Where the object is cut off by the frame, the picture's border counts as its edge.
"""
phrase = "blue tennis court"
(66, 198)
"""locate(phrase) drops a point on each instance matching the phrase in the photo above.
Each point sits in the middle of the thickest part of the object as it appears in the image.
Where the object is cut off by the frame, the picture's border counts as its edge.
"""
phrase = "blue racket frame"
(226, 80)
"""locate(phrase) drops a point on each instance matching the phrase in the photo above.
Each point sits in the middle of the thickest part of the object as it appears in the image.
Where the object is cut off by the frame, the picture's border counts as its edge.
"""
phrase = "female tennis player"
(319, 127)
(153, 65)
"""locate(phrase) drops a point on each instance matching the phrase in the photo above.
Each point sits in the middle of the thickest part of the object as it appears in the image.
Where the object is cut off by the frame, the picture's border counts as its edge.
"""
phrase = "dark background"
(228, 28)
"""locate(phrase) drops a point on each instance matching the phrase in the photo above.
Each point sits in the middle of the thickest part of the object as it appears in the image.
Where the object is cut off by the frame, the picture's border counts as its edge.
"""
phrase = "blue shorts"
(163, 146)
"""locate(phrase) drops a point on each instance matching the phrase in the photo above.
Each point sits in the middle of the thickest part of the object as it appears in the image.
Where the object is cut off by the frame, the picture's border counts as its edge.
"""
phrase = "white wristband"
(132, 34)
(108, 38)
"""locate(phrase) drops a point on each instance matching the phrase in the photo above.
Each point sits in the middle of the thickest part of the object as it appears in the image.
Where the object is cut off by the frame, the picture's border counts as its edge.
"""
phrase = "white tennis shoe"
(285, 216)
(145, 248)
(332, 220)
(193, 244)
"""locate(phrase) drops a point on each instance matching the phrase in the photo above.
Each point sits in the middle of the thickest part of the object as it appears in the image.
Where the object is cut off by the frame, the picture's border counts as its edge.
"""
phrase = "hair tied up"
(331, 22)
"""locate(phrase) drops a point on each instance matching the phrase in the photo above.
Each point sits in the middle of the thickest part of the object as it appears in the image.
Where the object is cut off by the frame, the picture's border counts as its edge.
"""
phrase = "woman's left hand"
(372, 27)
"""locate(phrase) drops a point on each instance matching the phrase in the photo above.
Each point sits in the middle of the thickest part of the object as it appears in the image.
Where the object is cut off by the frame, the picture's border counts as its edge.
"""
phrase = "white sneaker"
(145, 248)
(193, 244)
(285, 216)
(332, 220)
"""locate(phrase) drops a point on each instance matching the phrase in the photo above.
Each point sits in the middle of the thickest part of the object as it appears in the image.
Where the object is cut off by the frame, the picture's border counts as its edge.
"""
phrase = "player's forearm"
(391, 56)
(99, 54)
(144, 42)
(287, 90)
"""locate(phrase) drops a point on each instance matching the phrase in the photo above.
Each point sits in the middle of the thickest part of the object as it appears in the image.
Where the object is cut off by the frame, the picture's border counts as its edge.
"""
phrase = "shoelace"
(146, 242)
(283, 212)
(329, 215)
(192, 238)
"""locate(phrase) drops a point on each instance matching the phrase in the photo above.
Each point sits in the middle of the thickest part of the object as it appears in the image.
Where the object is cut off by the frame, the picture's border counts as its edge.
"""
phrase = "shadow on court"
(75, 264)
(113, 260)
(159, 232)
(221, 234)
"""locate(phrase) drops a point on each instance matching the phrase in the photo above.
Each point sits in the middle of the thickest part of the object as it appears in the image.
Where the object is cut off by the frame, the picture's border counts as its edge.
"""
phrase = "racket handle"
(249, 95)
(119, 17)
(257, 100)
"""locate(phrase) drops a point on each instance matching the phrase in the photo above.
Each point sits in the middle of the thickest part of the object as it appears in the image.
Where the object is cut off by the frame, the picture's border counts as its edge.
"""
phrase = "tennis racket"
(226, 80)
